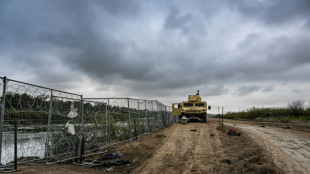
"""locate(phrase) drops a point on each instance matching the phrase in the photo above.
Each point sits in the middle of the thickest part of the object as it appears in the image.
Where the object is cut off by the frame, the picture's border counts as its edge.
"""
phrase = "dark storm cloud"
(149, 46)
(62, 27)
(245, 90)
(177, 21)
(268, 89)
(275, 11)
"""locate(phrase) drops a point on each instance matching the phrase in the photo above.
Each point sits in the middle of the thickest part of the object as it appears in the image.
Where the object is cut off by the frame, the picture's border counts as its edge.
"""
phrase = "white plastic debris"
(71, 129)
(110, 169)
(73, 112)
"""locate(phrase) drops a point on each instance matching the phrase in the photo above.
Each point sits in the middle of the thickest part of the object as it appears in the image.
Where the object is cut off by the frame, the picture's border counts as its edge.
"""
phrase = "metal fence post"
(135, 129)
(82, 126)
(162, 113)
(2, 115)
(109, 122)
(166, 114)
(49, 127)
(158, 112)
(129, 118)
(15, 144)
(139, 114)
(106, 126)
(148, 120)
(153, 115)
(145, 108)
(81, 112)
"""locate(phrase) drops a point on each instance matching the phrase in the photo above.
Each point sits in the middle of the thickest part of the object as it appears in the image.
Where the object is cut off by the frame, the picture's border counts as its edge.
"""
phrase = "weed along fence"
(56, 126)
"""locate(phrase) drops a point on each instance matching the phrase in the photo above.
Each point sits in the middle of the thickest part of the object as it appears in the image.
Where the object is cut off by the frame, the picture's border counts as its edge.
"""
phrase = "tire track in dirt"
(186, 151)
(290, 149)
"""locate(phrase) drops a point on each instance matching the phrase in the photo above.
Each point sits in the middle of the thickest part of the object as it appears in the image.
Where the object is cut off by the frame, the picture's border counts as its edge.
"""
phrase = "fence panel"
(118, 114)
(95, 129)
(64, 127)
(28, 105)
(1, 120)
(140, 119)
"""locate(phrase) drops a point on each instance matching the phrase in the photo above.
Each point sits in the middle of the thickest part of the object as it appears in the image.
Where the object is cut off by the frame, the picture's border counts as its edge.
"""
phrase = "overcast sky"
(239, 54)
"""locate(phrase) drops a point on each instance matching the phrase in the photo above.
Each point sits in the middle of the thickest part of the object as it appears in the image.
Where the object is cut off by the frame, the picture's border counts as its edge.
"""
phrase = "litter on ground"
(233, 132)
(227, 161)
(111, 156)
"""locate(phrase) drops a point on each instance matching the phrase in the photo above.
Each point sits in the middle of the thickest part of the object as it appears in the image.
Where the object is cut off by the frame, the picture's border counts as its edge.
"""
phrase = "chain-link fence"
(57, 126)
(28, 106)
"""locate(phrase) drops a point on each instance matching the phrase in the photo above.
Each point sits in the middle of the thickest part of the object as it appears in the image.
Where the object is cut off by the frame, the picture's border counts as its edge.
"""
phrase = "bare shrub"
(296, 107)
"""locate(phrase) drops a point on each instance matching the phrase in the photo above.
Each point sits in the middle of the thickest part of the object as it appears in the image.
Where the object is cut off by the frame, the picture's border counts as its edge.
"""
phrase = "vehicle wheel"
(204, 118)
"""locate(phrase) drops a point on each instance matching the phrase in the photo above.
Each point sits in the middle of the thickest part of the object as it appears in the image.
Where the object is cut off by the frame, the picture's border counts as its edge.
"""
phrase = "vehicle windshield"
(199, 104)
(188, 104)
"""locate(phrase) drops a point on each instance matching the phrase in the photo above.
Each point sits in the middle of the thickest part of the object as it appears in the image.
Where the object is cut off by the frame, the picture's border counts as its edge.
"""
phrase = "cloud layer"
(231, 51)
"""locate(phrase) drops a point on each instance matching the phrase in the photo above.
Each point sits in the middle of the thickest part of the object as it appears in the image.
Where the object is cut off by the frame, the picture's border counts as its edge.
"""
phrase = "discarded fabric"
(160, 135)
(73, 112)
(227, 161)
(232, 132)
(70, 127)
(110, 169)
(118, 162)
(111, 156)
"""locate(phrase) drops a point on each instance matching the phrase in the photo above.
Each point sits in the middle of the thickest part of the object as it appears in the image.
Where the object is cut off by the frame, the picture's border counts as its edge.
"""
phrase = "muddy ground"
(199, 148)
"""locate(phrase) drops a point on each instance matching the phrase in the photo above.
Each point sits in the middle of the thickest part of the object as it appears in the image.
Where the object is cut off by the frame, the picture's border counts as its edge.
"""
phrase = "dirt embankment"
(288, 146)
(192, 148)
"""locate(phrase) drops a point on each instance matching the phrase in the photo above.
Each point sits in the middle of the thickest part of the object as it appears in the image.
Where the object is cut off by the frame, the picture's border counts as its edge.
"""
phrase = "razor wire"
(63, 129)
(54, 124)
(28, 106)
(95, 127)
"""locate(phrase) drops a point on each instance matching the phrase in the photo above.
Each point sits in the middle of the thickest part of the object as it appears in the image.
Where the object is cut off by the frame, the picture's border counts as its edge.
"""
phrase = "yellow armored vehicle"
(193, 109)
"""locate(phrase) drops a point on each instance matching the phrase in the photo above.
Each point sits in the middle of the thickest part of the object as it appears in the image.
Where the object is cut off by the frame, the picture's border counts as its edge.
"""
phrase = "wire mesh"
(1, 88)
(28, 105)
(51, 123)
(95, 127)
(64, 128)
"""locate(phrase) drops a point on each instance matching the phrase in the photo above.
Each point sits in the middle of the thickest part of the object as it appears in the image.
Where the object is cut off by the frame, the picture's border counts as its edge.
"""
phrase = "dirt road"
(200, 147)
(188, 148)
(290, 149)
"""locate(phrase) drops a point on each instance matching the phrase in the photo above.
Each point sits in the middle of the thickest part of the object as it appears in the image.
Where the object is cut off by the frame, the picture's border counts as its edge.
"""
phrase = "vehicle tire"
(204, 118)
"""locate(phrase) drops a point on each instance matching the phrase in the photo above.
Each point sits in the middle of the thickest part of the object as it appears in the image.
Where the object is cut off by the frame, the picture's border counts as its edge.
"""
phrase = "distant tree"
(296, 107)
